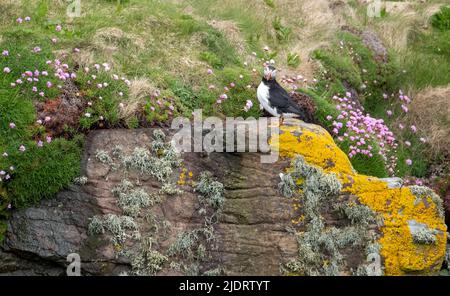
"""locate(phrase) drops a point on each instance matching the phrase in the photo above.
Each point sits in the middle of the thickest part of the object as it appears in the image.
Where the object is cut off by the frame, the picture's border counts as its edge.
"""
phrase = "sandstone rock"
(257, 232)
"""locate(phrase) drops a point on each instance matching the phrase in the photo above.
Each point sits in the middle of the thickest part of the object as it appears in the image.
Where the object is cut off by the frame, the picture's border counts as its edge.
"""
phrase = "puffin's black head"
(270, 73)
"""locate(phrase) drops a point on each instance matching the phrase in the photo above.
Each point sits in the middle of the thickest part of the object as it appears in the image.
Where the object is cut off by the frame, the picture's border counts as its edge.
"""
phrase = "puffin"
(274, 99)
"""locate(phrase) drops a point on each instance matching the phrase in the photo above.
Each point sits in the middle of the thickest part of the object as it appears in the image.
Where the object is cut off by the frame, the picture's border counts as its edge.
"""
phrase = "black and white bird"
(274, 99)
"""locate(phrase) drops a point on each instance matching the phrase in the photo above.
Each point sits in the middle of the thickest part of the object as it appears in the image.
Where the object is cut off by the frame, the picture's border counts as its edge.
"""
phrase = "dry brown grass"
(140, 89)
(430, 110)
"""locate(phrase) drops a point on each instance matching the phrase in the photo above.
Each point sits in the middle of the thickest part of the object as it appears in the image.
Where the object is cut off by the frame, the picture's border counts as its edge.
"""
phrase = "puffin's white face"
(270, 72)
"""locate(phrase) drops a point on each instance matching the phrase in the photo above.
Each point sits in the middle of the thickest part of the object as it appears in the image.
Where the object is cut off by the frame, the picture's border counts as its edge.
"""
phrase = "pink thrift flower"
(49, 139)
(7, 70)
(27, 18)
(58, 28)
(19, 20)
(408, 162)
(413, 128)
(209, 71)
(5, 53)
(12, 125)
(22, 148)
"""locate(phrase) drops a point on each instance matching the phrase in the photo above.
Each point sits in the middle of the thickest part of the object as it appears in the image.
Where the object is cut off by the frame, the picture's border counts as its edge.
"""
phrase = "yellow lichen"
(397, 206)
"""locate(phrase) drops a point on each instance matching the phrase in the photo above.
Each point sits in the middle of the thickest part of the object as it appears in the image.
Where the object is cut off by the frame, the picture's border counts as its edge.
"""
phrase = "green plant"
(270, 3)
(212, 59)
(37, 175)
(293, 60)
(283, 33)
(441, 19)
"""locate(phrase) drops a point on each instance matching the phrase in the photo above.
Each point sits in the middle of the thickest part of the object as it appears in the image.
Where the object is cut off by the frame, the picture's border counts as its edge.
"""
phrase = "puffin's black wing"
(279, 98)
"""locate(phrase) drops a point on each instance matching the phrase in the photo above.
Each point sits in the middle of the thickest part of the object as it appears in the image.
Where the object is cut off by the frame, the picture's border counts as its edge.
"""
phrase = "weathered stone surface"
(255, 232)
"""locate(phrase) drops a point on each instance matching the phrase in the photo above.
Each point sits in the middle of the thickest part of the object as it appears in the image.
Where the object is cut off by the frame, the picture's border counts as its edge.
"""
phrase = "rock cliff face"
(140, 211)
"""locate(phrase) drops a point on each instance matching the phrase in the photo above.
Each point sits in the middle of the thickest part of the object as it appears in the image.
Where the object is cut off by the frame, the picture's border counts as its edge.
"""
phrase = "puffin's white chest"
(263, 97)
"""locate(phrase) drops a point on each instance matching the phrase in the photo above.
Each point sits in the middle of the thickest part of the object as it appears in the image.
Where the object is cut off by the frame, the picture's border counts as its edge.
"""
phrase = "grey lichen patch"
(320, 246)
(357, 213)
(120, 227)
(130, 199)
(421, 234)
(189, 243)
(158, 162)
(211, 192)
(147, 261)
(287, 185)
(170, 189)
(422, 192)
(160, 167)
(103, 157)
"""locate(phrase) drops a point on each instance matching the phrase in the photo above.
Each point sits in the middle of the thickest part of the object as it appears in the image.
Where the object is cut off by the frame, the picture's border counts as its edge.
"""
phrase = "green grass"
(427, 61)
(42, 172)
(441, 19)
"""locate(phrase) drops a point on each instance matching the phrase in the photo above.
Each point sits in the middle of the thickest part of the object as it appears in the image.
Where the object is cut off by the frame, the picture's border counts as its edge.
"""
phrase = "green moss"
(41, 172)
